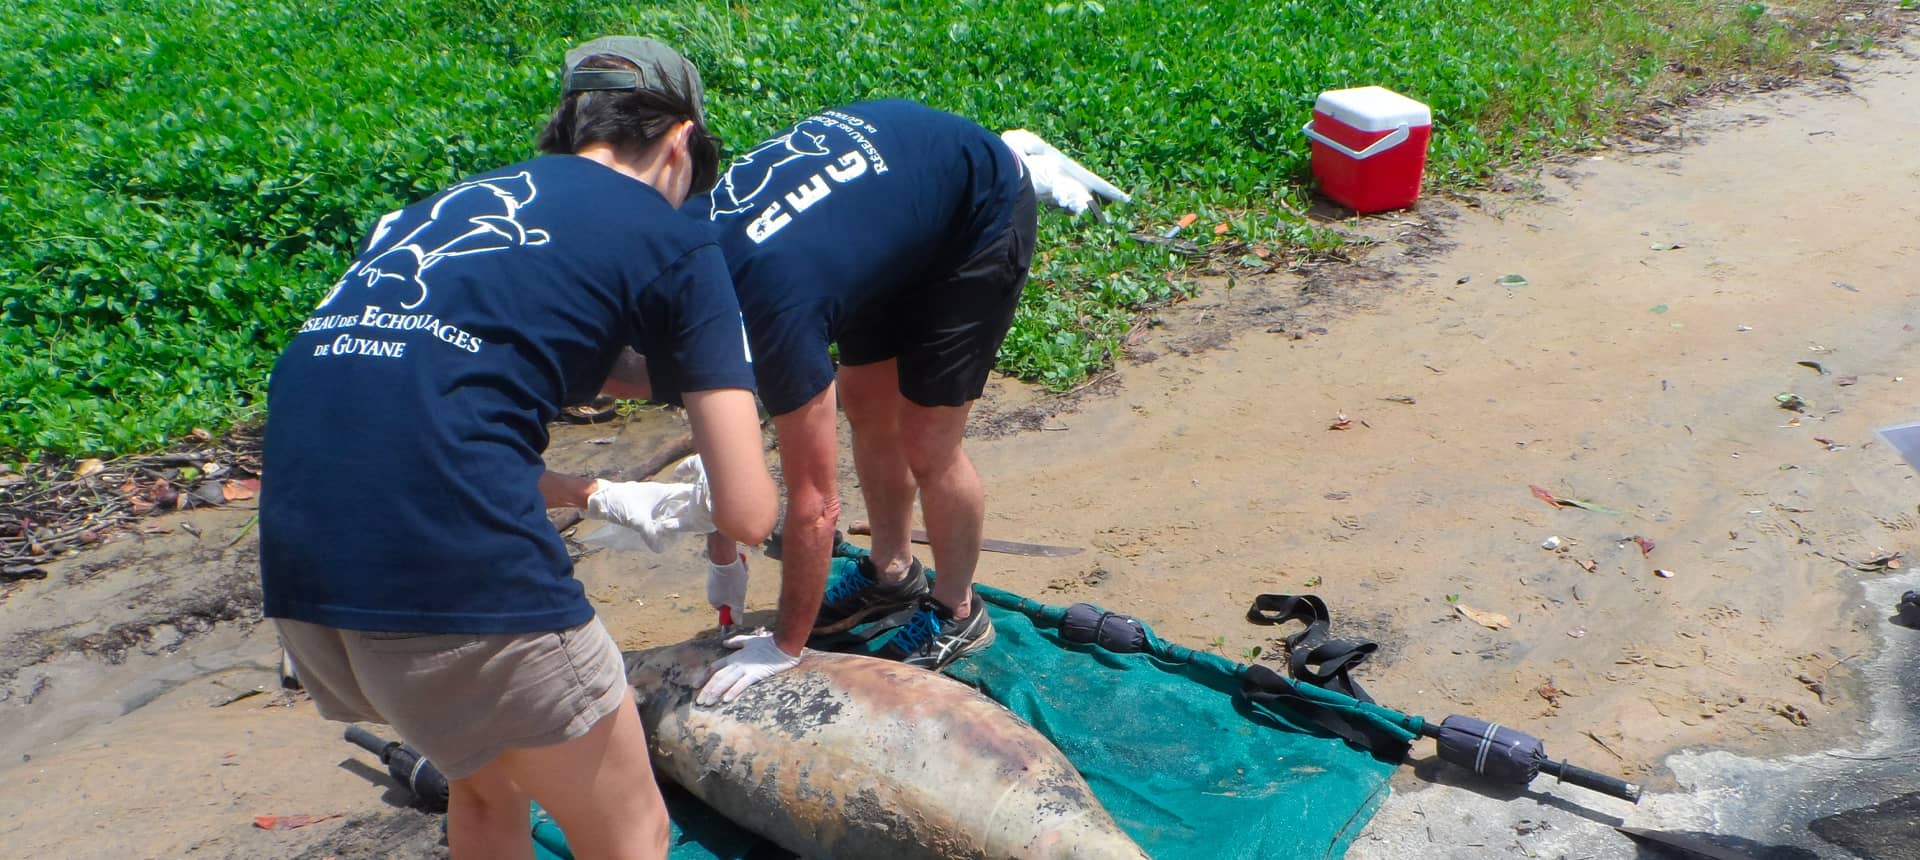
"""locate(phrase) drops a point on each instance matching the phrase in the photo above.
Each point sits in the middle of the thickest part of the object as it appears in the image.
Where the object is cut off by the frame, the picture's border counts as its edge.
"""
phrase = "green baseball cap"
(660, 68)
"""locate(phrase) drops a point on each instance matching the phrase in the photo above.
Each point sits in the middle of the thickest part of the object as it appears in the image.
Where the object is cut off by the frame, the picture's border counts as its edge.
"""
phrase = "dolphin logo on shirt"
(470, 218)
(750, 174)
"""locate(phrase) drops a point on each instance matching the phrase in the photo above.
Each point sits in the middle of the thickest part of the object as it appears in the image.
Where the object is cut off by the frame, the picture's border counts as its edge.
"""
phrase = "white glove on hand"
(694, 512)
(727, 587)
(633, 507)
(1056, 178)
(757, 658)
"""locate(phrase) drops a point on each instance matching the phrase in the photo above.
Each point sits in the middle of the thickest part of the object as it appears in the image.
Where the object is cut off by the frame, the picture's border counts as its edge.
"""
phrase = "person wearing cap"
(405, 555)
(902, 234)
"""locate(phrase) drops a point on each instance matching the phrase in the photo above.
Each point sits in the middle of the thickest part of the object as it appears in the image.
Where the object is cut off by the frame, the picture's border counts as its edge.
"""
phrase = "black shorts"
(947, 333)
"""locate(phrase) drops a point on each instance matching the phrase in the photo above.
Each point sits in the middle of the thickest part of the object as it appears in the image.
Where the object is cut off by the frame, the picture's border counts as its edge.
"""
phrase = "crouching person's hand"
(755, 658)
(727, 589)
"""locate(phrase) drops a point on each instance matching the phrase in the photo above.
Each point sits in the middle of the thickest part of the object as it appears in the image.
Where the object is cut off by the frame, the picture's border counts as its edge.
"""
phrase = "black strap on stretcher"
(1313, 657)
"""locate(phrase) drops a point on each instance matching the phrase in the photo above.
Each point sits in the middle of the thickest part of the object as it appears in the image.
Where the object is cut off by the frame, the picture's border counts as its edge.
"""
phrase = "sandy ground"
(1672, 289)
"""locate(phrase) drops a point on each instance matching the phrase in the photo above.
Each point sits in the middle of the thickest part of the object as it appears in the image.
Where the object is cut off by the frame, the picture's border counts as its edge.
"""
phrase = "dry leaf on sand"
(1489, 620)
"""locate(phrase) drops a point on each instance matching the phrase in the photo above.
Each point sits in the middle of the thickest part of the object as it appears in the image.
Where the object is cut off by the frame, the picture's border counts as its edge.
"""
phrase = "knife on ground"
(988, 544)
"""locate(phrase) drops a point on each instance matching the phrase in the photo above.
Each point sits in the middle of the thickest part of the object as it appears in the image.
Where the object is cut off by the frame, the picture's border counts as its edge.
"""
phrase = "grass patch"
(182, 179)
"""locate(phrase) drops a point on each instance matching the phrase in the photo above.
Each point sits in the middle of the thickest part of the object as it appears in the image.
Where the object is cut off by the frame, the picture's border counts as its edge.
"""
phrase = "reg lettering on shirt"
(845, 168)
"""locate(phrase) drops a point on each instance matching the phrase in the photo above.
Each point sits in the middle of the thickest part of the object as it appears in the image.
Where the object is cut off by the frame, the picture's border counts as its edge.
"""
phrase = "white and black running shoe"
(932, 638)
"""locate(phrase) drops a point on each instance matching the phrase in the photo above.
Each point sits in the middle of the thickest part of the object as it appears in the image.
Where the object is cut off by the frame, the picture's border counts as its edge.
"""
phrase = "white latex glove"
(692, 512)
(727, 588)
(1056, 178)
(630, 540)
(755, 658)
(634, 508)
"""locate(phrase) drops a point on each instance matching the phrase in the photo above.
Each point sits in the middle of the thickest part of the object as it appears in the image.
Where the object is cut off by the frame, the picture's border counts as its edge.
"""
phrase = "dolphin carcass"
(855, 757)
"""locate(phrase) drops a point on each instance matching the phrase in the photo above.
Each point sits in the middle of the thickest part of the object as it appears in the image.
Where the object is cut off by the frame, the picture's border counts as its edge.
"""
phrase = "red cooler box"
(1369, 147)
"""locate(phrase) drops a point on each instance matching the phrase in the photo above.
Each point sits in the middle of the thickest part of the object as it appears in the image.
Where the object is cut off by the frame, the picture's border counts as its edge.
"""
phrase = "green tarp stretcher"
(1187, 766)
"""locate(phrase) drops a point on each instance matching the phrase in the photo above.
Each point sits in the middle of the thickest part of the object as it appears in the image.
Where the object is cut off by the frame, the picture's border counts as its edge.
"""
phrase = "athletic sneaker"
(859, 596)
(933, 637)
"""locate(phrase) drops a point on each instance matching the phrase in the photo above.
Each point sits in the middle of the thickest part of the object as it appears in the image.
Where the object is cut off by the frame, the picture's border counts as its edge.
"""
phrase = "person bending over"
(405, 554)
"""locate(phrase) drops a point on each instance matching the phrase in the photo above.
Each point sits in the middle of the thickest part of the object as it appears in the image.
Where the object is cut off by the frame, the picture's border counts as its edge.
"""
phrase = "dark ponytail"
(631, 121)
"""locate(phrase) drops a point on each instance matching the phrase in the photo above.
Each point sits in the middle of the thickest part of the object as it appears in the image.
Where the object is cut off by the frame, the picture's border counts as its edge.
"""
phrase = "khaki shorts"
(462, 699)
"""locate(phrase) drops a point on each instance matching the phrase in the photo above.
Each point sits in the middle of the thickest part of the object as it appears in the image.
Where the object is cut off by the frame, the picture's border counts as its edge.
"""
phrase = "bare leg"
(950, 496)
(487, 817)
(598, 787)
(870, 397)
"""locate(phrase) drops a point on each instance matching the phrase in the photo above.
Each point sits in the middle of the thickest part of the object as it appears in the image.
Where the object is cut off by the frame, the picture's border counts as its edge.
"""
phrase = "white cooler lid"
(1373, 108)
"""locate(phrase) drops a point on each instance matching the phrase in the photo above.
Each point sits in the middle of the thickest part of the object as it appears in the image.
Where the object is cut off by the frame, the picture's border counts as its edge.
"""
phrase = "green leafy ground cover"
(180, 180)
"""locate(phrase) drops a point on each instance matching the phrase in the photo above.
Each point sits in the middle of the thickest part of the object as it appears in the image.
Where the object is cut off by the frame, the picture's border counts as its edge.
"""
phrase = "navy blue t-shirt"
(827, 222)
(407, 418)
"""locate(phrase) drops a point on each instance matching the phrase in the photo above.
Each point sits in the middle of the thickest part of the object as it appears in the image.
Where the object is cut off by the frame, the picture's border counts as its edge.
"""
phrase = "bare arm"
(809, 459)
(726, 432)
(562, 490)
